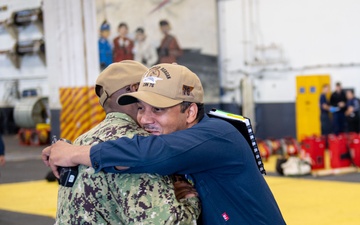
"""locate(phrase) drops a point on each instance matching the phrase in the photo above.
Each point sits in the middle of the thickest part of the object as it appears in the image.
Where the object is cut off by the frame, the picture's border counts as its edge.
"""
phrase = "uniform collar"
(119, 115)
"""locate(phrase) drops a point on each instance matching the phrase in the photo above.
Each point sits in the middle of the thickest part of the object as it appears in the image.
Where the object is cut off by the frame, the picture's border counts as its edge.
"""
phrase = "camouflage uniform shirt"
(104, 198)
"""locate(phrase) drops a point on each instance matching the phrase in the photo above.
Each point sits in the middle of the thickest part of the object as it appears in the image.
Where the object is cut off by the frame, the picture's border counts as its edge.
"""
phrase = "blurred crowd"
(140, 49)
(340, 113)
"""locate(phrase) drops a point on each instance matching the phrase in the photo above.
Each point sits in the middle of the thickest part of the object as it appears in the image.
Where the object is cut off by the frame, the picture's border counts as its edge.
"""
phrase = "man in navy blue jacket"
(214, 155)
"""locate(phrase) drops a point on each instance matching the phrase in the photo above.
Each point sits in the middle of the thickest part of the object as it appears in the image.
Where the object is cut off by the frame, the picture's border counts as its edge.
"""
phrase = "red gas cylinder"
(350, 136)
(315, 148)
(274, 146)
(339, 155)
(25, 136)
(355, 150)
(291, 146)
(264, 149)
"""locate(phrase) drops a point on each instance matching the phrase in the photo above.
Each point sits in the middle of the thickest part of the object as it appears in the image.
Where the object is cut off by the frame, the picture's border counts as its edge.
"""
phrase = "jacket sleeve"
(189, 151)
(356, 104)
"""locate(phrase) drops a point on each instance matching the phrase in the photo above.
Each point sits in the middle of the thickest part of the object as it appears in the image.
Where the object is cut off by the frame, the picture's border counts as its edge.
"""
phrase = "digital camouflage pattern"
(105, 198)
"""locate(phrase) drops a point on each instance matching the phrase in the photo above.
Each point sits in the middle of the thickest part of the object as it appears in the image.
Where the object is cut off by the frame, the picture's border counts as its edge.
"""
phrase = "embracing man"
(211, 152)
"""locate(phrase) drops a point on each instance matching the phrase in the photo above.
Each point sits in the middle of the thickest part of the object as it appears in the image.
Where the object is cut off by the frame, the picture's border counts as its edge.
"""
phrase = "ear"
(134, 87)
(191, 113)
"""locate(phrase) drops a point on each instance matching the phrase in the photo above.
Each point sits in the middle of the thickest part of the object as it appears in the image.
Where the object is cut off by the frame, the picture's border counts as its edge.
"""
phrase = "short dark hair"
(140, 30)
(123, 25)
(338, 84)
(163, 22)
(201, 109)
(351, 91)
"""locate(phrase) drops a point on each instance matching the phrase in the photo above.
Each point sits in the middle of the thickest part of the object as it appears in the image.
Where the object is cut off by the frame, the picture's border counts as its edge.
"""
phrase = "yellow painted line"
(66, 110)
(67, 130)
(35, 197)
(301, 201)
(81, 116)
(82, 111)
(97, 112)
(316, 202)
(66, 117)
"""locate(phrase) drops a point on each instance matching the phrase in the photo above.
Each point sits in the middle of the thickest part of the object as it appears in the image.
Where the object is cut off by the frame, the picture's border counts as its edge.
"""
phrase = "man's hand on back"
(182, 188)
(66, 155)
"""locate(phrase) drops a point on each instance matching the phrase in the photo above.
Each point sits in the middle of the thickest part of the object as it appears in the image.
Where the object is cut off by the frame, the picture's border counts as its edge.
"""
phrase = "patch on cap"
(153, 75)
(187, 90)
(151, 80)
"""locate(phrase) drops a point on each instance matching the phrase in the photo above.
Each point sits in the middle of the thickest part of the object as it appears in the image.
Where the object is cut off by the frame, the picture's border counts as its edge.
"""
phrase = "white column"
(71, 45)
(91, 32)
(71, 48)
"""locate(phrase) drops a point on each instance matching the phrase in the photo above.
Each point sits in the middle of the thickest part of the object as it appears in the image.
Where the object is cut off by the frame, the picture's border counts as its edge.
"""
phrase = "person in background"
(212, 152)
(169, 49)
(105, 49)
(123, 46)
(338, 101)
(352, 112)
(144, 51)
(104, 198)
(324, 111)
(2, 151)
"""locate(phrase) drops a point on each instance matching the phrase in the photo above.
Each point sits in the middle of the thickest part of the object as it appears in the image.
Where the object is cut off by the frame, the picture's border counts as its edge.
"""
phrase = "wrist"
(81, 156)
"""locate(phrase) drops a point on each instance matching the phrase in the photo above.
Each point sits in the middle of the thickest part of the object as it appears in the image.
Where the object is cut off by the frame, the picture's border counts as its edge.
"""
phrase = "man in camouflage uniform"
(102, 198)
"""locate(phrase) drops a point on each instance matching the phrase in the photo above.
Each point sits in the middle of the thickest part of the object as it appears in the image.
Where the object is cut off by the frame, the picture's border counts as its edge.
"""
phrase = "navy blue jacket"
(105, 52)
(354, 102)
(323, 100)
(218, 159)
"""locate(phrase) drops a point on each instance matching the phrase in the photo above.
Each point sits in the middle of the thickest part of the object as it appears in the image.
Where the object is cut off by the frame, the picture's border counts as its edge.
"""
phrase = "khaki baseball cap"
(118, 75)
(165, 85)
